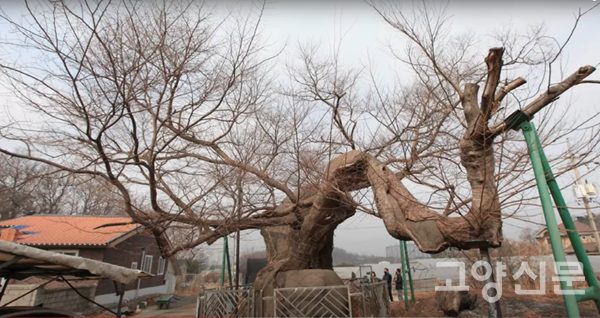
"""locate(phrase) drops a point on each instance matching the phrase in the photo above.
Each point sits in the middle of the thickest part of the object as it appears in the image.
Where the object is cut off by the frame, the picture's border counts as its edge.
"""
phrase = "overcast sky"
(366, 35)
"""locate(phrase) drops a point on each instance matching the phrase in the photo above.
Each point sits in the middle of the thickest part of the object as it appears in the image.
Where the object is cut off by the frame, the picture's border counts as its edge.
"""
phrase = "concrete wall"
(56, 298)
(110, 299)
(170, 277)
(13, 291)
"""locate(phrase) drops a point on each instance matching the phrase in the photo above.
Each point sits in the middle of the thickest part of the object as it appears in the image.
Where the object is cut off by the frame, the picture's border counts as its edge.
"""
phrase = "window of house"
(161, 266)
(134, 265)
(147, 263)
(67, 252)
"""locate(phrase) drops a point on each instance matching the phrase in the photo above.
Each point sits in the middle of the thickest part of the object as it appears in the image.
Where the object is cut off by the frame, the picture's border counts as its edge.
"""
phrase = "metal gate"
(227, 303)
(330, 301)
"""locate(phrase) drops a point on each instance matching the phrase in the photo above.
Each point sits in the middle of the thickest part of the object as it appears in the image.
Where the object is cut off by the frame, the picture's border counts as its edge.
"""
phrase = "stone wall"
(66, 298)
(63, 298)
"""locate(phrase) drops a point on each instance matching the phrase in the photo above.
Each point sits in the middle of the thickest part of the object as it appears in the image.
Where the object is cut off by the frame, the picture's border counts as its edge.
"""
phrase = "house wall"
(127, 252)
(585, 238)
(542, 240)
(93, 253)
(124, 254)
(565, 241)
(167, 288)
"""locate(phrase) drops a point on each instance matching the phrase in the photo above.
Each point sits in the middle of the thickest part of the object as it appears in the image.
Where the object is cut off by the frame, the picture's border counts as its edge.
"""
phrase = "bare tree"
(17, 195)
(185, 116)
(527, 235)
(27, 188)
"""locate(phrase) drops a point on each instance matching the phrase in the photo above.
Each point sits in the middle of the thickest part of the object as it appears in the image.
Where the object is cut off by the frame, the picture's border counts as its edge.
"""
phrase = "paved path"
(185, 309)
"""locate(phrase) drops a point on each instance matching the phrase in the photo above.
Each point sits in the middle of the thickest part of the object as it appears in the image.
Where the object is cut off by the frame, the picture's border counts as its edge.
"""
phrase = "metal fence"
(227, 302)
(187, 284)
(362, 300)
(331, 301)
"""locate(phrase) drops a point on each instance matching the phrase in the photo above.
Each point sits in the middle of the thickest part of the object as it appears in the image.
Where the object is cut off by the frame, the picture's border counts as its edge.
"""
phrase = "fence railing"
(227, 303)
(364, 300)
(331, 301)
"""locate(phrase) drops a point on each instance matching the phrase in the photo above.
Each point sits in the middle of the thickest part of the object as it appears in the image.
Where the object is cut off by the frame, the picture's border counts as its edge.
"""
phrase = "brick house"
(586, 234)
(126, 245)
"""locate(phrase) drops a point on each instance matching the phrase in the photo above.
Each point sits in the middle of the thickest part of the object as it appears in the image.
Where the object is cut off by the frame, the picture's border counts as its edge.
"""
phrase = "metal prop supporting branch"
(225, 261)
(408, 271)
(548, 187)
(405, 261)
(4, 285)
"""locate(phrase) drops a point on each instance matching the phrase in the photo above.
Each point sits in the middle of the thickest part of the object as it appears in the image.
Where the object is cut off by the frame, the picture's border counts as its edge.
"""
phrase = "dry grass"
(512, 305)
(424, 306)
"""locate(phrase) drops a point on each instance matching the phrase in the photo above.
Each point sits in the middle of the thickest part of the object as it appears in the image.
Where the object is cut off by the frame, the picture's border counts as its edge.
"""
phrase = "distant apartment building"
(413, 252)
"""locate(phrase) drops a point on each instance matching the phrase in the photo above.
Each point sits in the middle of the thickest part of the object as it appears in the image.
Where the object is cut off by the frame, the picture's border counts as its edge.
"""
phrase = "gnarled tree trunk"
(309, 242)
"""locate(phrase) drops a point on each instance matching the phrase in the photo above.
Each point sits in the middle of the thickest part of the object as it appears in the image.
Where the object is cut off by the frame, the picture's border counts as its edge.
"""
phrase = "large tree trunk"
(308, 244)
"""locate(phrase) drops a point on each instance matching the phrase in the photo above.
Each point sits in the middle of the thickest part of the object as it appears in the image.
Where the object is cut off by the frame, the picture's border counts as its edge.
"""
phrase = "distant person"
(374, 278)
(398, 280)
(388, 278)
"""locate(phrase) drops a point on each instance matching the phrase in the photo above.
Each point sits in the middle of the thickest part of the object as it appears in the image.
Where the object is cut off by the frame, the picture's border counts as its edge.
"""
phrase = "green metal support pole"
(592, 292)
(228, 261)
(223, 262)
(553, 233)
(402, 257)
(410, 281)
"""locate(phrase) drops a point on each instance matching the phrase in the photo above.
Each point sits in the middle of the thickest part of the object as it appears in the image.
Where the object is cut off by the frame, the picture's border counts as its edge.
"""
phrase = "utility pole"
(240, 201)
(585, 200)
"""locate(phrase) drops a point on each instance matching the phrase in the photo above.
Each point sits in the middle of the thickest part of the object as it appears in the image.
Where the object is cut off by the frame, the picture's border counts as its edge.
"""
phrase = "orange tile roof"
(580, 227)
(68, 230)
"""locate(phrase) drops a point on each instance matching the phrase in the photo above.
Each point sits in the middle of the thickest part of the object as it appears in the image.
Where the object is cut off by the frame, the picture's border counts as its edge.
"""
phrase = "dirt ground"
(511, 305)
